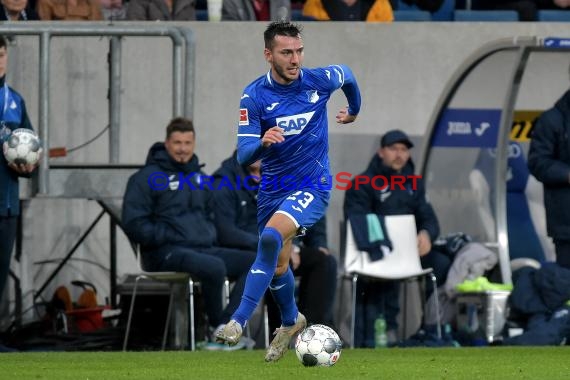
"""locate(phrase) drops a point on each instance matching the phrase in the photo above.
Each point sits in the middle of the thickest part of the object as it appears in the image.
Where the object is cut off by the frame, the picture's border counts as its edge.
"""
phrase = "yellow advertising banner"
(523, 123)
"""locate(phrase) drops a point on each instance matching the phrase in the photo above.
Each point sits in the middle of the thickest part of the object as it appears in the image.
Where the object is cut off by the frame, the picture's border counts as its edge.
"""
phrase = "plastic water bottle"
(380, 337)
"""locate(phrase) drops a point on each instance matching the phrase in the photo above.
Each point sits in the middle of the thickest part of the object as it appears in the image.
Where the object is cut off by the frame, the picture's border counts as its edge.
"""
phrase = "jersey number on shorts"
(303, 202)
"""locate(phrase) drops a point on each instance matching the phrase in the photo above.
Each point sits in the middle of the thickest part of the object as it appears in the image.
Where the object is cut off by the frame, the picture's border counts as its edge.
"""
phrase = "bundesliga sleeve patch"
(243, 116)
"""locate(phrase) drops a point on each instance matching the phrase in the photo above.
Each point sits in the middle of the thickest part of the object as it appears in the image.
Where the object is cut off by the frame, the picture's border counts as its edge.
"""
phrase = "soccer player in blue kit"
(283, 122)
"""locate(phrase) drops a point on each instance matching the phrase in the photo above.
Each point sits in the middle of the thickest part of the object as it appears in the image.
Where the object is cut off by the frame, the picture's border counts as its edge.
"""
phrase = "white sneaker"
(283, 336)
(229, 334)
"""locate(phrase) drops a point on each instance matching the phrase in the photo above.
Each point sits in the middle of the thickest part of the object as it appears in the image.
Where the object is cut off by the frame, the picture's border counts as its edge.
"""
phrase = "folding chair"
(403, 263)
(172, 278)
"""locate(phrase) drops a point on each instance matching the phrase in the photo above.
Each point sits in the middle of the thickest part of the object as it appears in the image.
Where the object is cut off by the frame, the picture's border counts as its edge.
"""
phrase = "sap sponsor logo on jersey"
(464, 128)
(293, 125)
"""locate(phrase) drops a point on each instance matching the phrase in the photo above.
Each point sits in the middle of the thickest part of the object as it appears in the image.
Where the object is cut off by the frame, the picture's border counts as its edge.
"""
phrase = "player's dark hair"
(280, 28)
(179, 124)
(3, 43)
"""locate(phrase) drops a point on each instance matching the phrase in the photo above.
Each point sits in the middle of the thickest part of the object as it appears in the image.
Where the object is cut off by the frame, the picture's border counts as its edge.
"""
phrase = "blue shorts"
(303, 207)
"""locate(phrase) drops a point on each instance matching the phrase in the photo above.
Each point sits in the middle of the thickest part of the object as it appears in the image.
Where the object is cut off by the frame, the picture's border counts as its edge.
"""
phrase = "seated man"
(375, 298)
(236, 222)
(167, 212)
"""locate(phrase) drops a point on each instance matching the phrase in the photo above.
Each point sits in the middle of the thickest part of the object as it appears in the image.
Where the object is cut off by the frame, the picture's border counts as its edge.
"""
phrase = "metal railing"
(182, 99)
(182, 72)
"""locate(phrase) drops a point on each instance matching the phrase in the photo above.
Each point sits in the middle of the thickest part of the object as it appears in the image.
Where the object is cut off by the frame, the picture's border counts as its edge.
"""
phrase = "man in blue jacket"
(392, 159)
(167, 210)
(549, 162)
(236, 223)
(13, 116)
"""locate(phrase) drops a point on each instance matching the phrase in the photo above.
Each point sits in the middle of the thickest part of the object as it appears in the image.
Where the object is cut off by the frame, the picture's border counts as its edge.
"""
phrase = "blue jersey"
(300, 109)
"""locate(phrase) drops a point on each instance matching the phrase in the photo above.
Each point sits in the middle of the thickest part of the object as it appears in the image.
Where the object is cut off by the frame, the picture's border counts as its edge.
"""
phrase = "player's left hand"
(343, 117)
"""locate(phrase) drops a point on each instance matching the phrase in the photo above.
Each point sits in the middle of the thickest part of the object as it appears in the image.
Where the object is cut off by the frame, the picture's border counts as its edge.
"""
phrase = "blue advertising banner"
(553, 42)
(476, 128)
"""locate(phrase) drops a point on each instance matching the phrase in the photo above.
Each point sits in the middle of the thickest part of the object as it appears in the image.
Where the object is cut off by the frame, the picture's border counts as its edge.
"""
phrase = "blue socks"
(260, 274)
(283, 291)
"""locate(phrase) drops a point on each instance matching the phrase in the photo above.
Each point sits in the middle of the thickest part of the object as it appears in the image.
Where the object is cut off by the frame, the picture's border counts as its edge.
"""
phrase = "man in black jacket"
(392, 159)
(236, 223)
(549, 162)
(167, 210)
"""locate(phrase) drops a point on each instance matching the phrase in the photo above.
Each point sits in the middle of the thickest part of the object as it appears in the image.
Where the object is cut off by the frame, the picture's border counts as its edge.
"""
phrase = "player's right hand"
(272, 135)
(21, 168)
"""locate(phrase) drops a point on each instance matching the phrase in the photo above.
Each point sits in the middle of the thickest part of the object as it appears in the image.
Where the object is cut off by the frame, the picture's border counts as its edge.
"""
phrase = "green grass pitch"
(409, 363)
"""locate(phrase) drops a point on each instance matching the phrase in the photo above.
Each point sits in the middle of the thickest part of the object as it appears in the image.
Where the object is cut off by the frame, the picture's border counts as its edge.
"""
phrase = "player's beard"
(284, 74)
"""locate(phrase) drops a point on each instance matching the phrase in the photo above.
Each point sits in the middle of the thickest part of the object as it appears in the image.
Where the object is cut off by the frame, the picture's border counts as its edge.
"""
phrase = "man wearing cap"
(392, 159)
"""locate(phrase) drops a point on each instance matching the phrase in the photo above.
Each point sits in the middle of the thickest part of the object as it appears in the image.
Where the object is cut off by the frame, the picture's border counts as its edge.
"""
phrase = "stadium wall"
(401, 68)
